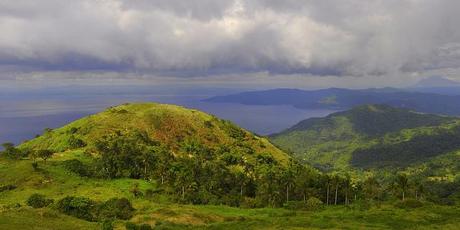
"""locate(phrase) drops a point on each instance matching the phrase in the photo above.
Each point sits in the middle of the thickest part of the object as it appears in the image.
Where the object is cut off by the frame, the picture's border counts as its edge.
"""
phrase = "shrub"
(409, 204)
(8, 187)
(150, 193)
(75, 143)
(135, 190)
(145, 227)
(133, 226)
(130, 226)
(361, 205)
(107, 225)
(119, 208)
(73, 130)
(295, 205)
(35, 166)
(10, 151)
(314, 203)
(80, 207)
(38, 201)
(44, 154)
(77, 167)
(248, 202)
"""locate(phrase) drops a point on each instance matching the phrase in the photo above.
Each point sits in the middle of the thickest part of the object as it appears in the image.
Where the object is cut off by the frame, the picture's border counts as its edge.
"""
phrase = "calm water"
(23, 114)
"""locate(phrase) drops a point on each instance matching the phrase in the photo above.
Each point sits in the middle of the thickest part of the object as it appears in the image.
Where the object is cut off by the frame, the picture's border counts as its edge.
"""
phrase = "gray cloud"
(327, 37)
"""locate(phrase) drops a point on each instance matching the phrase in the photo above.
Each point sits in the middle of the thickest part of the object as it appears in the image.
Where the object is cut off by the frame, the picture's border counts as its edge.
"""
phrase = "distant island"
(342, 99)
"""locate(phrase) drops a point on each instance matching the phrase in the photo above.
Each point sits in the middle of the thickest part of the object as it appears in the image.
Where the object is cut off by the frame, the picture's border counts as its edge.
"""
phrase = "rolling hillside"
(371, 136)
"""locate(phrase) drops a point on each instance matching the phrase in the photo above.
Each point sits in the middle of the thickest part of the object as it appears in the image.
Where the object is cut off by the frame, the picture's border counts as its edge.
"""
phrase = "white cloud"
(339, 37)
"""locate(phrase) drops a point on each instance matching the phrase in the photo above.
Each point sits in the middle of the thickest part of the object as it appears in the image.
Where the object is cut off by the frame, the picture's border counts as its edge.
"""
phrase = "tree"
(44, 154)
(10, 151)
(371, 188)
(403, 183)
(336, 180)
(288, 177)
(347, 187)
(327, 181)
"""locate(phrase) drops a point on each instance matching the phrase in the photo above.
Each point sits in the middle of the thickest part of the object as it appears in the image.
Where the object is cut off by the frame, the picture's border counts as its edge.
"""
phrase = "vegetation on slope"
(137, 166)
(333, 141)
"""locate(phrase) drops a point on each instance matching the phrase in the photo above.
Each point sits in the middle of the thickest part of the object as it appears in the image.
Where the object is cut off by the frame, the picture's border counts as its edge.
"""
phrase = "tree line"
(231, 175)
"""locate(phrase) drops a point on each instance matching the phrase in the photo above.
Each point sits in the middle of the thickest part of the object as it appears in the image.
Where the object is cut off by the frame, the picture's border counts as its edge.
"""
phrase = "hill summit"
(169, 125)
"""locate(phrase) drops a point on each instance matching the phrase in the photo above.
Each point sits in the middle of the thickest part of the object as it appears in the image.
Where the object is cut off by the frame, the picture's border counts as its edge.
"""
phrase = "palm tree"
(336, 182)
(403, 183)
(347, 186)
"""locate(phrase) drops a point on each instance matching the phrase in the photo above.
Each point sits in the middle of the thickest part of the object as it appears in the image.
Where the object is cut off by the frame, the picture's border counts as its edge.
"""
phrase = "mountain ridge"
(348, 138)
(342, 99)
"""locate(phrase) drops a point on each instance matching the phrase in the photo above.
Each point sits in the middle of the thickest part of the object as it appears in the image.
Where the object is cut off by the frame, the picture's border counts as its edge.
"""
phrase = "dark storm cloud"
(198, 37)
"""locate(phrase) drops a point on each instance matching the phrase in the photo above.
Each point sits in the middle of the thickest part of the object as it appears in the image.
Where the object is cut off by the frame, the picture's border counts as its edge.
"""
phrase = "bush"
(130, 226)
(133, 226)
(145, 227)
(35, 166)
(409, 204)
(119, 208)
(107, 225)
(295, 205)
(80, 207)
(314, 203)
(38, 201)
(75, 143)
(77, 167)
(361, 205)
(136, 191)
(8, 187)
(248, 202)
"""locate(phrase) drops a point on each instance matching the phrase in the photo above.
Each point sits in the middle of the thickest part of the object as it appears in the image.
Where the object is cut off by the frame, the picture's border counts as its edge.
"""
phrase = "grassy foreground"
(223, 217)
(55, 182)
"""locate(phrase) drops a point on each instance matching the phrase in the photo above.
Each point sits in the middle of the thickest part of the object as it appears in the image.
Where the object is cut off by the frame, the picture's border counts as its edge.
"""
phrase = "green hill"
(370, 136)
(170, 125)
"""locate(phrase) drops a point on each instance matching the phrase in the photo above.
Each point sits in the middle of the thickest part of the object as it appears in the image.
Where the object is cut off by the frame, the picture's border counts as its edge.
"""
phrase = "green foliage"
(87, 209)
(80, 207)
(11, 152)
(409, 204)
(44, 154)
(107, 225)
(370, 137)
(417, 149)
(313, 204)
(116, 208)
(77, 167)
(7, 187)
(35, 166)
(75, 143)
(133, 226)
(38, 201)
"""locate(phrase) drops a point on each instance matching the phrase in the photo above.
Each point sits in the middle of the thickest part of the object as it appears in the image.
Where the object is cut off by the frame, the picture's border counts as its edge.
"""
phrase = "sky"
(252, 43)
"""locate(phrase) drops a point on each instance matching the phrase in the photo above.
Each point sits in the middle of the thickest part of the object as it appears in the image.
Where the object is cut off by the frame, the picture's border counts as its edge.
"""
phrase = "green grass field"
(55, 182)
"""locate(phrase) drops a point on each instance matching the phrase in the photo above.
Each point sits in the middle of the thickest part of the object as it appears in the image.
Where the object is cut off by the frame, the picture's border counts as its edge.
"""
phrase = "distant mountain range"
(342, 99)
(374, 136)
(436, 81)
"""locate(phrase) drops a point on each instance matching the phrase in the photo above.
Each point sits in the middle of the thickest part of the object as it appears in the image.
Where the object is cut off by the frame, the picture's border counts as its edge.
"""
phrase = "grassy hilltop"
(170, 125)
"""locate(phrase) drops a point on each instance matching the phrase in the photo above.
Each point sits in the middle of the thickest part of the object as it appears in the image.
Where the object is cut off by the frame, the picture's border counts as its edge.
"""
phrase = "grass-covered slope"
(170, 125)
(370, 136)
